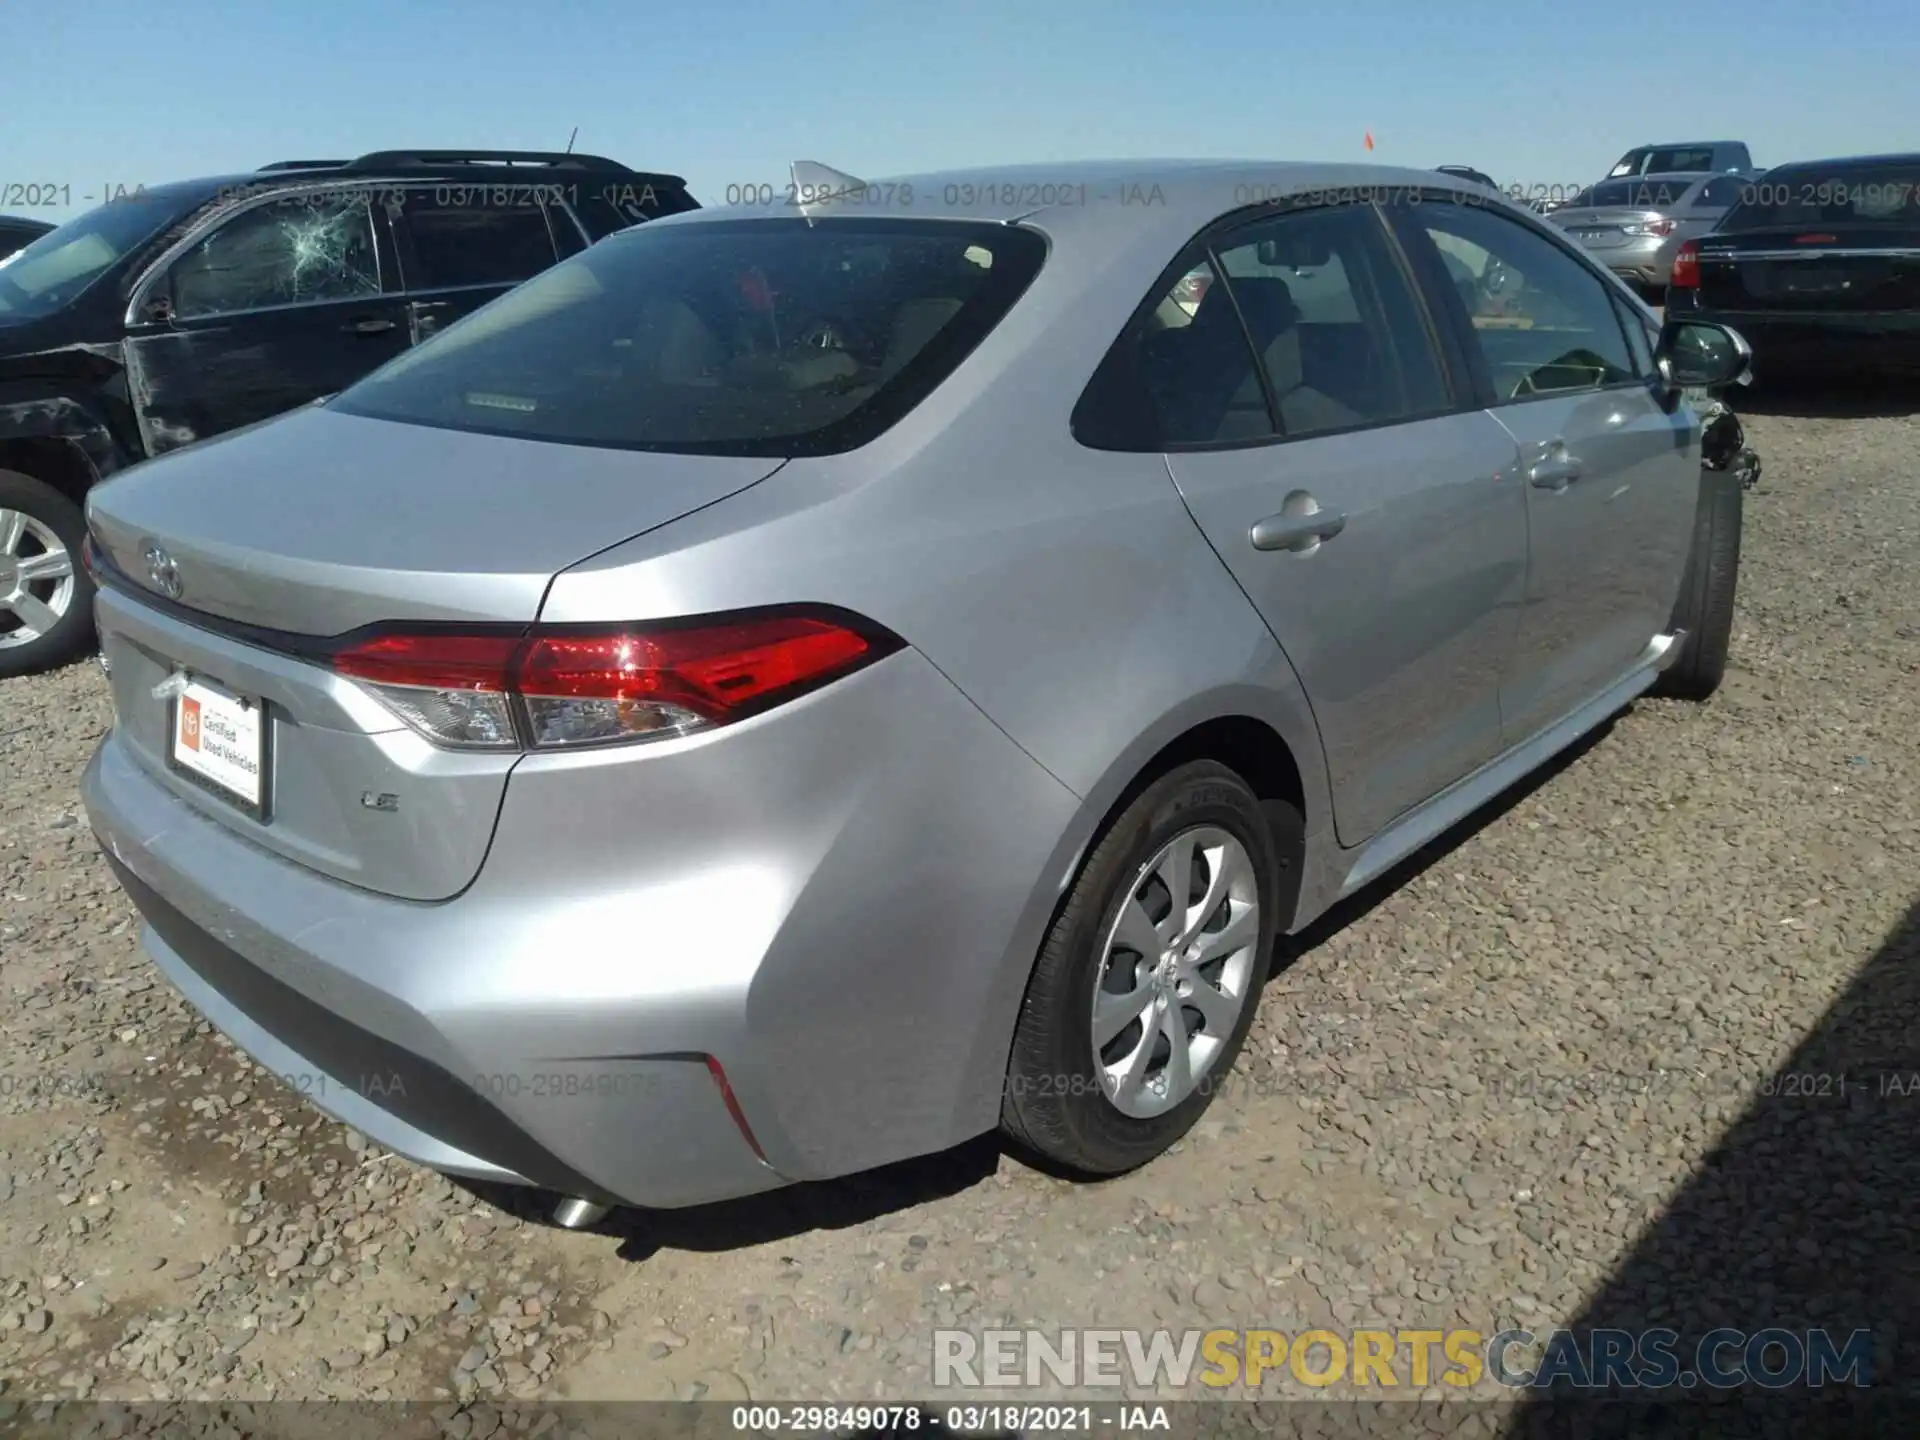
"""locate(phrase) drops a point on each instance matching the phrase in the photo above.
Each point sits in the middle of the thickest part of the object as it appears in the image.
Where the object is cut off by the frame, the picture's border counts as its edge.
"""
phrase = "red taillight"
(432, 662)
(1816, 239)
(1686, 266)
(588, 685)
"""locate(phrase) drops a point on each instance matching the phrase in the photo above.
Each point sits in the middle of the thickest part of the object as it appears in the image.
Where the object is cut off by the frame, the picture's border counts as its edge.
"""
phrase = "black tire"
(1054, 1105)
(72, 636)
(1705, 608)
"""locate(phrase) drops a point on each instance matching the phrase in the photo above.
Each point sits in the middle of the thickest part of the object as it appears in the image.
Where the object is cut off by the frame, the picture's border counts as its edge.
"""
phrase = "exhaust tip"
(573, 1213)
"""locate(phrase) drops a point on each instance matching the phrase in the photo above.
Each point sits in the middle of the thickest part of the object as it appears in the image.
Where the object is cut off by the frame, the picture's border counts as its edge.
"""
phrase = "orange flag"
(1369, 140)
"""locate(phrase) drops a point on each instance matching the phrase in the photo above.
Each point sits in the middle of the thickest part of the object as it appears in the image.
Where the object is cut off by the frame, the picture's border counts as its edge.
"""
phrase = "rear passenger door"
(1611, 469)
(465, 243)
(1364, 502)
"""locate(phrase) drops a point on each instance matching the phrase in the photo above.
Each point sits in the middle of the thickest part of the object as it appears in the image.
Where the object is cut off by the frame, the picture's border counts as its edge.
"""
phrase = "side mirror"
(1700, 355)
(158, 310)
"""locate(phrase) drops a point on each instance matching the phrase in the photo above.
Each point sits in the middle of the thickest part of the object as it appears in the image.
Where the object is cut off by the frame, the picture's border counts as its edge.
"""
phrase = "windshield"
(1632, 194)
(63, 262)
(1823, 197)
(740, 337)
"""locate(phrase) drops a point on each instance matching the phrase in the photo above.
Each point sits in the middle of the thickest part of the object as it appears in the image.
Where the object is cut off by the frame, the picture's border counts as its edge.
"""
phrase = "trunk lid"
(1816, 269)
(319, 524)
(1606, 227)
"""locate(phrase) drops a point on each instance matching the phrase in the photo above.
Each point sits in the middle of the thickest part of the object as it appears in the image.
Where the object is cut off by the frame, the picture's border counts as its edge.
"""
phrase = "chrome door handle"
(1296, 532)
(369, 325)
(1555, 473)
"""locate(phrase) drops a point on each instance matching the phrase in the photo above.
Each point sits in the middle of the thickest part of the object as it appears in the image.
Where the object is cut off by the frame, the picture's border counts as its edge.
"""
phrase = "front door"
(1370, 513)
(281, 304)
(1612, 472)
(464, 243)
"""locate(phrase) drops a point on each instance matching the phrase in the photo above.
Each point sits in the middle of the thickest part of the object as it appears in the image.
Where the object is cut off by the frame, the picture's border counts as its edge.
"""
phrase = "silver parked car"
(1636, 226)
(780, 693)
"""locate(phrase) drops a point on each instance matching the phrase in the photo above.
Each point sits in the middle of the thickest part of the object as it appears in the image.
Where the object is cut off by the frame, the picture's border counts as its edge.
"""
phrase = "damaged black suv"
(182, 311)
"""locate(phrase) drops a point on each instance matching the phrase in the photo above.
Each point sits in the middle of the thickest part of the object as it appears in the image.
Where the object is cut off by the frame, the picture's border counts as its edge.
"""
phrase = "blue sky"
(114, 93)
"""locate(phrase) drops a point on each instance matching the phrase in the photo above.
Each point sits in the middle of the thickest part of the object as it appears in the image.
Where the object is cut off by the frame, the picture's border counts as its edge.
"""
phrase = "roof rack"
(449, 159)
(305, 165)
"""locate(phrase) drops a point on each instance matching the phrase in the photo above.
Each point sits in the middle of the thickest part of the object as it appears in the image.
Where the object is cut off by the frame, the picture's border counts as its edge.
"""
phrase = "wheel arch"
(57, 440)
(1271, 744)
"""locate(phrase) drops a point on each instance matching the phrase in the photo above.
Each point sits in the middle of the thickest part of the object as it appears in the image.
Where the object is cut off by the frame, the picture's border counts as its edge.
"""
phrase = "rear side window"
(1298, 324)
(738, 337)
(1827, 196)
(1341, 338)
(617, 204)
(458, 236)
(1667, 162)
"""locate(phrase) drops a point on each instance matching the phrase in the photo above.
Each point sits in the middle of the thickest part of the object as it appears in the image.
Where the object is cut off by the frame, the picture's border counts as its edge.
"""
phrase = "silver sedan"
(1636, 226)
(788, 690)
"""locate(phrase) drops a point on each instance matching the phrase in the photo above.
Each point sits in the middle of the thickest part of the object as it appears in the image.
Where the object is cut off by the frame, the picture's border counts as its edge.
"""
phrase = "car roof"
(1103, 194)
(1666, 177)
(1897, 157)
(193, 193)
(1684, 144)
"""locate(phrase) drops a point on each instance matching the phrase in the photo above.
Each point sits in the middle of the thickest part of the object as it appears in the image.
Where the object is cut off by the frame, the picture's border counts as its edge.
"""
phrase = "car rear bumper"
(838, 902)
(1643, 261)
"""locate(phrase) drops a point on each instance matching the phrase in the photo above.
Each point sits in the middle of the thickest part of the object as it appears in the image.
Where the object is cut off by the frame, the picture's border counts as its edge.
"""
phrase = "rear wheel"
(46, 599)
(1705, 608)
(1149, 979)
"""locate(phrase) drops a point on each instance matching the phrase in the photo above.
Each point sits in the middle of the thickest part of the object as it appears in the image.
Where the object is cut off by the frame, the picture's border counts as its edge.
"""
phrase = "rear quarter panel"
(1065, 592)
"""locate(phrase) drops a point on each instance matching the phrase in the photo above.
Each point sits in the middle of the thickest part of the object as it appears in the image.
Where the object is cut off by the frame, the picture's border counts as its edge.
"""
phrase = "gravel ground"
(1524, 1081)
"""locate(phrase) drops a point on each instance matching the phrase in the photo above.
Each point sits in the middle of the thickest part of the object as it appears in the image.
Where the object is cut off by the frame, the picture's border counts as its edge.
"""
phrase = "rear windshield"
(1842, 195)
(1633, 194)
(1668, 158)
(731, 337)
(604, 209)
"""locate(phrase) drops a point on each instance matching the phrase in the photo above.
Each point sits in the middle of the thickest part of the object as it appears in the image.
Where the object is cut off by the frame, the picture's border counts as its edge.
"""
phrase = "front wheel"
(1705, 608)
(46, 598)
(1149, 979)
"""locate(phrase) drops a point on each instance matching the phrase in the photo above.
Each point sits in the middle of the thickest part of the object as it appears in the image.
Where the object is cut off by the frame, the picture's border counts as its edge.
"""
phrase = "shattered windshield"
(55, 268)
(290, 251)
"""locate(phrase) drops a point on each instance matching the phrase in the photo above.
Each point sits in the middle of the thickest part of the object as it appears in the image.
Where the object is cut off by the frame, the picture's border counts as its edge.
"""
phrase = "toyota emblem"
(162, 573)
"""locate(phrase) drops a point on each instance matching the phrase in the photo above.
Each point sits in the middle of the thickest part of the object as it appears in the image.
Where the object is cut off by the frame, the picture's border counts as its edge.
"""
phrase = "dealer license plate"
(219, 739)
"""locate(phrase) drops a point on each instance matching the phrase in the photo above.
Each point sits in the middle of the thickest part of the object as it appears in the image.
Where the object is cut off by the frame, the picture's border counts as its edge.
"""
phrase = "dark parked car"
(17, 232)
(1467, 172)
(1818, 267)
(1678, 156)
(189, 309)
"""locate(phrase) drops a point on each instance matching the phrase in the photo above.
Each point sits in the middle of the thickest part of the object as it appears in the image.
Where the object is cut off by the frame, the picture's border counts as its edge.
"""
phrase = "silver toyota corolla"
(792, 689)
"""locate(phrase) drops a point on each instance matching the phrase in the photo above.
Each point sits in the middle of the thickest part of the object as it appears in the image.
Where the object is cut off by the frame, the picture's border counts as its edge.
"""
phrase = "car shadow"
(855, 1199)
(1867, 397)
(1804, 1217)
